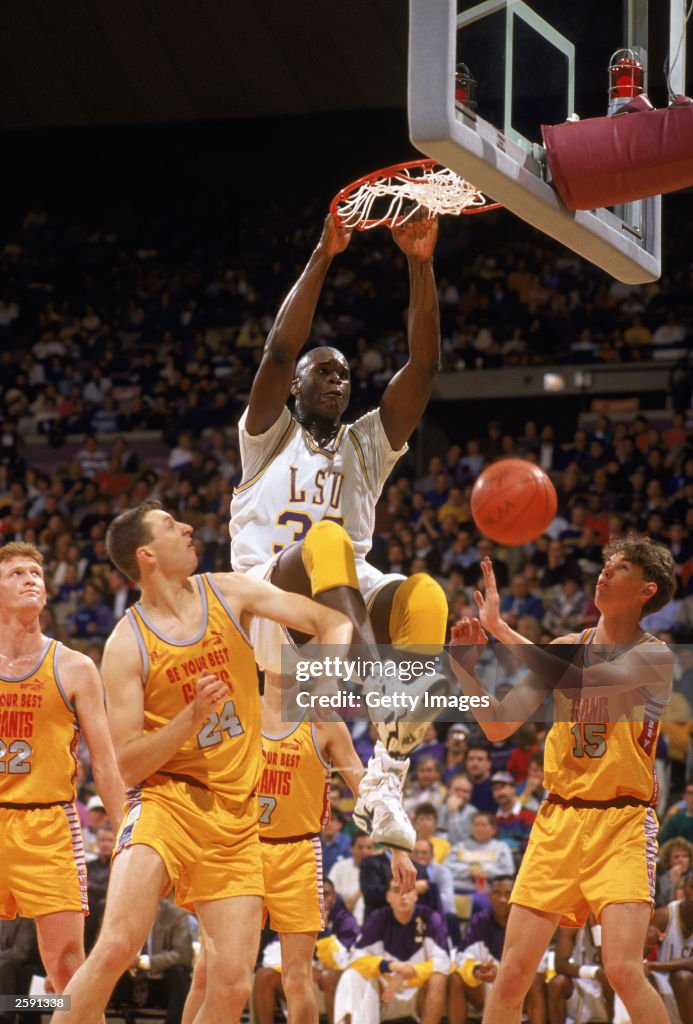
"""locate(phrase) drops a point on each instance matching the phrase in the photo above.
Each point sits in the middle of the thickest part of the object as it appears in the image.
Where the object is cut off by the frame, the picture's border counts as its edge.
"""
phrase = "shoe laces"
(391, 783)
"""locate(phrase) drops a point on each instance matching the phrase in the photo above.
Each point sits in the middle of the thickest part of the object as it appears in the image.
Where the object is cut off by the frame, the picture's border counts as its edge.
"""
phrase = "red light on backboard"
(626, 76)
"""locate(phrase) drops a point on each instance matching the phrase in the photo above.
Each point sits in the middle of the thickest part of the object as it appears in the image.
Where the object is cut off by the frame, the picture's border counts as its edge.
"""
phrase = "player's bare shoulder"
(121, 638)
(122, 651)
(237, 588)
(653, 651)
(78, 673)
(73, 661)
(653, 662)
(567, 640)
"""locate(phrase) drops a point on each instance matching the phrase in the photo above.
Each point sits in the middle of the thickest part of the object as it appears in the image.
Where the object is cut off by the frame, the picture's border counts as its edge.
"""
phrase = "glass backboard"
(533, 62)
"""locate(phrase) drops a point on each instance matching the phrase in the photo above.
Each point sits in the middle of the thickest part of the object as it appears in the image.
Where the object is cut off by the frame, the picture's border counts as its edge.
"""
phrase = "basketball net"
(393, 195)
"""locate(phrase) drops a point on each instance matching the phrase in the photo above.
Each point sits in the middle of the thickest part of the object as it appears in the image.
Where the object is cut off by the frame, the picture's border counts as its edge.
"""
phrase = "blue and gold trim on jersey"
(331, 448)
(360, 456)
(587, 637)
(281, 445)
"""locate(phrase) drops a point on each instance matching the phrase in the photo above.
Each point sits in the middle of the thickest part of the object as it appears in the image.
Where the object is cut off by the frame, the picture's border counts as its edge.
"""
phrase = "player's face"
(500, 900)
(323, 386)
(22, 587)
(621, 584)
(171, 543)
(402, 903)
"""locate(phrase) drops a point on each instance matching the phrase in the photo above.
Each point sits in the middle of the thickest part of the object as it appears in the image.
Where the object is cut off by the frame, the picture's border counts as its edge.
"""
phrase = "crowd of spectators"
(116, 325)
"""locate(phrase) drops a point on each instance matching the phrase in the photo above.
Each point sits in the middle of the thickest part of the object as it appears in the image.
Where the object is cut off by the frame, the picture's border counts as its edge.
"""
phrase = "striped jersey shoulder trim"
(278, 449)
(354, 438)
(222, 601)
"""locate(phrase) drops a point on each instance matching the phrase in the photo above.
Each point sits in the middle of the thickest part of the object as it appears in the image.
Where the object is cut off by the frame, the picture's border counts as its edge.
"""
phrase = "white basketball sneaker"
(400, 728)
(379, 809)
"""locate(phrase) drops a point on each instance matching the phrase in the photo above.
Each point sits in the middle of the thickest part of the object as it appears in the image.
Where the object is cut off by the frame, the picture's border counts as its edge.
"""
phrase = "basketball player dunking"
(304, 512)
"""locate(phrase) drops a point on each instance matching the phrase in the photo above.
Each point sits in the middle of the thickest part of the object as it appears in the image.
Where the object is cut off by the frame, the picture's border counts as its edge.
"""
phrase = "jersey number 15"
(590, 740)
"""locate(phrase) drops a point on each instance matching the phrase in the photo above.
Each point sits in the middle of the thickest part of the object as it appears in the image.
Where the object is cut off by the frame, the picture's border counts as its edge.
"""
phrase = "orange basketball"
(513, 501)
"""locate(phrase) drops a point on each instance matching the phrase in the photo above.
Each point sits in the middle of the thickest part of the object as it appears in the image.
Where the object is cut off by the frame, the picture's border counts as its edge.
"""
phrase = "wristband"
(588, 971)
(384, 967)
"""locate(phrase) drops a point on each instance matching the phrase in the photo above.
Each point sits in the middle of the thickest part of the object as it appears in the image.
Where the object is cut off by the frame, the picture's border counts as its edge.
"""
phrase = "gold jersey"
(602, 748)
(39, 734)
(224, 754)
(294, 785)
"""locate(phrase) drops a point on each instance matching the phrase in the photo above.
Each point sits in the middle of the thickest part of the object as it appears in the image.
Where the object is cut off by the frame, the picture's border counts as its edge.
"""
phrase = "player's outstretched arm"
(140, 755)
(407, 394)
(256, 597)
(648, 666)
(291, 331)
(337, 745)
(87, 694)
(498, 719)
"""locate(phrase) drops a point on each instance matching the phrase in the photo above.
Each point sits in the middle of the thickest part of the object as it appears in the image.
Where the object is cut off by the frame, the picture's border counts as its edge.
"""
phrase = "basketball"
(513, 501)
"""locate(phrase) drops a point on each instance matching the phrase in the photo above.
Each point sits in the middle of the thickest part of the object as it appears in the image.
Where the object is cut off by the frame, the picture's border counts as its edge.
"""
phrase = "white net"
(394, 196)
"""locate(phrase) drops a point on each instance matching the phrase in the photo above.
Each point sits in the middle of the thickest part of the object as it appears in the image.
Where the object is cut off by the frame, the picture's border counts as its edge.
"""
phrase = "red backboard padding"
(605, 161)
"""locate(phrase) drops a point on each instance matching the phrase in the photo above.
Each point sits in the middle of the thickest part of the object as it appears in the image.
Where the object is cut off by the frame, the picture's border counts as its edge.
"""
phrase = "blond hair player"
(49, 694)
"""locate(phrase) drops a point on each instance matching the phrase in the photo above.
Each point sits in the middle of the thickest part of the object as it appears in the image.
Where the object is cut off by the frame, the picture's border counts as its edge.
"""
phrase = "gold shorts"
(210, 849)
(42, 861)
(293, 885)
(582, 858)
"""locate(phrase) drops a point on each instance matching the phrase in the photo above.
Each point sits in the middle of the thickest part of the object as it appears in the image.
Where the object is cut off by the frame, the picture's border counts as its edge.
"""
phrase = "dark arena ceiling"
(75, 63)
(99, 62)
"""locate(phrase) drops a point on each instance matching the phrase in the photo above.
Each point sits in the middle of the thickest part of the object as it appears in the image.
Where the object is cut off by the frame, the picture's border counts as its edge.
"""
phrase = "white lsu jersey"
(290, 482)
(675, 945)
